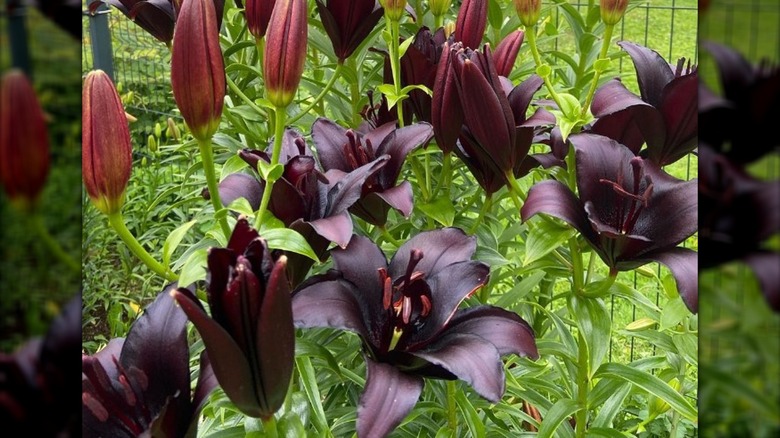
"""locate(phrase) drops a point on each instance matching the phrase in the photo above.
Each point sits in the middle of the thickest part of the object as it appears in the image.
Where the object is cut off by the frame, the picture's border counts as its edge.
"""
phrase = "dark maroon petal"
(377, 135)
(388, 397)
(243, 234)
(229, 363)
(472, 359)
(766, 267)
(293, 145)
(471, 22)
(484, 169)
(287, 202)
(625, 118)
(337, 228)
(240, 185)
(555, 199)
(398, 145)
(107, 355)
(521, 95)
(440, 248)
(344, 192)
(334, 304)
(652, 71)
(329, 139)
(680, 113)
(736, 73)
(506, 52)
(502, 328)
(449, 287)
(359, 263)
(446, 111)
(276, 338)
(332, 27)
(683, 263)
(362, 27)
(157, 345)
(297, 169)
(399, 198)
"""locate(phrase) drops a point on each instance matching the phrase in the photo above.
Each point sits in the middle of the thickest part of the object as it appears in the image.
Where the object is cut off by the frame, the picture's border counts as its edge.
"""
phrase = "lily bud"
(24, 140)
(394, 9)
(506, 52)
(285, 51)
(471, 22)
(439, 7)
(258, 14)
(106, 153)
(197, 69)
(528, 11)
(612, 11)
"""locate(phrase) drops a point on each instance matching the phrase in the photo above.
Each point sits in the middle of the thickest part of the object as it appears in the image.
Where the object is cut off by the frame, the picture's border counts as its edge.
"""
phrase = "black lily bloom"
(348, 23)
(738, 214)
(140, 385)
(418, 67)
(629, 210)
(38, 381)
(406, 313)
(346, 150)
(156, 17)
(305, 199)
(250, 335)
(739, 125)
(664, 118)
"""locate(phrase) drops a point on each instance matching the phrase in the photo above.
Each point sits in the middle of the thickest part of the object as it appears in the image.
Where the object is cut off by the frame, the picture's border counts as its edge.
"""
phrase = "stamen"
(387, 288)
(94, 406)
(406, 310)
(426, 305)
(414, 258)
(128, 390)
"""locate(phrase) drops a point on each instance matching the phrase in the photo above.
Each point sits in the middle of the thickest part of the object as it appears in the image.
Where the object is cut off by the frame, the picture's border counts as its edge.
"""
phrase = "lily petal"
(502, 328)
(521, 95)
(325, 302)
(652, 71)
(241, 185)
(375, 206)
(764, 265)
(329, 138)
(336, 228)
(680, 112)
(398, 145)
(555, 199)
(440, 248)
(683, 263)
(388, 397)
(446, 111)
(344, 192)
(506, 52)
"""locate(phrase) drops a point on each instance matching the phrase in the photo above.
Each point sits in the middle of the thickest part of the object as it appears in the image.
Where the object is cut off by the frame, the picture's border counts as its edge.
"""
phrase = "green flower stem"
(530, 35)
(591, 259)
(603, 55)
(452, 418)
(515, 191)
(583, 386)
(389, 237)
(117, 222)
(207, 155)
(234, 88)
(438, 21)
(395, 65)
(354, 90)
(53, 245)
(326, 90)
(260, 44)
(482, 211)
(269, 427)
(280, 121)
(419, 173)
(576, 263)
(446, 174)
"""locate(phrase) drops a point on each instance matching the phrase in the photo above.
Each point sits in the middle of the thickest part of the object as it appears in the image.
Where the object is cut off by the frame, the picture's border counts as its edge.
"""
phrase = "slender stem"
(452, 418)
(53, 245)
(446, 174)
(576, 262)
(582, 386)
(420, 177)
(354, 89)
(260, 44)
(530, 35)
(427, 165)
(234, 88)
(389, 237)
(326, 90)
(269, 427)
(395, 66)
(117, 222)
(515, 191)
(280, 119)
(591, 259)
(603, 55)
(207, 155)
(438, 21)
(482, 211)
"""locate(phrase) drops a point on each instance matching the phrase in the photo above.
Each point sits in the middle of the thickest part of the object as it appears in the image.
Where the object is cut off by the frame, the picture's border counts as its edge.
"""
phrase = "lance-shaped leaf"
(348, 23)
(630, 211)
(409, 322)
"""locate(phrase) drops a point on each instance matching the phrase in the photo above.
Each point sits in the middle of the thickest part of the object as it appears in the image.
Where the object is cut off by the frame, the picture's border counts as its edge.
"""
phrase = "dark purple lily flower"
(250, 335)
(407, 316)
(738, 126)
(505, 55)
(629, 210)
(738, 214)
(418, 67)
(156, 17)
(307, 200)
(348, 23)
(345, 150)
(664, 118)
(140, 385)
(38, 381)
(471, 22)
(258, 14)
(496, 135)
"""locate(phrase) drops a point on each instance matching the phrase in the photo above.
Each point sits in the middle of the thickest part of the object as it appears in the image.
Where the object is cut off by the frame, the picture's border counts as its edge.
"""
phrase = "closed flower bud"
(471, 23)
(197, 69)
(258, 14)
(151, 143)
(528, 11)
(106, 153)
(24, 141)
(439, 7)
(612, 11)
(394, 9)
(285, 51)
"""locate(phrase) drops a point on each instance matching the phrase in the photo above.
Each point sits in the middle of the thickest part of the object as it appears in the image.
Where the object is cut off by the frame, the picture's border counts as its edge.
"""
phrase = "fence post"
(102, 53)
(17, 35)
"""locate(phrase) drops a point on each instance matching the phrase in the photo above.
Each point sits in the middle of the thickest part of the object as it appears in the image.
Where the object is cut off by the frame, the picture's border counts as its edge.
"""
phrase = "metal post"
(17, 34)
(102, 53)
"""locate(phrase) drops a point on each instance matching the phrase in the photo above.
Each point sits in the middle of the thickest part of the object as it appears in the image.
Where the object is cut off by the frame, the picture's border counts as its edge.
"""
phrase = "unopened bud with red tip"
(106, 153)
(285, 54)
(471, 23)
(24, 141)
(197, 69)
(439, 7)
(258, 15)
(612, 11)
(528, 11)
(394, 9)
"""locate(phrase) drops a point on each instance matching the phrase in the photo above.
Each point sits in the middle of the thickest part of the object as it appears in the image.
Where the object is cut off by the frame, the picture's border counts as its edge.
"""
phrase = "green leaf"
(269, 172)
(673, 313)
(688, 347)
(495, 14)
(736, 386)
(405, 90)
(194, 268)
(242, 207)
(605, 432)
(593, 319)
(404, 46)
(517, 293)
(470, 415)
(440, 209)
(173, 240)
(612, 406)
(290, 426)
(601, 65)
(232, 165)
(651, 384)
(558, 413)
(544, 238)
(308, 381)
(288, 240)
